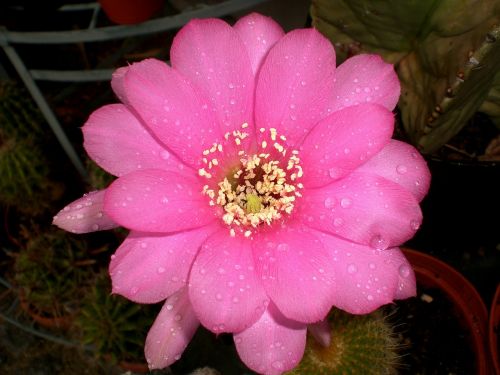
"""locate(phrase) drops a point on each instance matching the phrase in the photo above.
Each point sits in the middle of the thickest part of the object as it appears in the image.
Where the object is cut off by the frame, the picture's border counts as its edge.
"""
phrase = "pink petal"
(212, 56)
(273, 345)
(258, 33)
(224, 289)
(321, 332)
(367, 278)
(147, 268)
(295, 83)
(365, 78)
(171, 332)
(172, 109)
(84, 215)
(401, 163)
(407, 284)
(296, 272)
(154, 200)
(364, 208)
(117, 141)
(117, 83)
(343, 141)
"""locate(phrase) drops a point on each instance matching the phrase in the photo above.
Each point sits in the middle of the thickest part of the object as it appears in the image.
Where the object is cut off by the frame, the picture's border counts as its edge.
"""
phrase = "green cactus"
(446, 53)
(52, 271)
(360, 344)
(112, 325)
(19, 115)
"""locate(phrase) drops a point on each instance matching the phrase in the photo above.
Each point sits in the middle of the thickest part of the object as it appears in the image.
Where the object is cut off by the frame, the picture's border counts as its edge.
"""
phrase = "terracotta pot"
(494, 329)
(433, 273)
(127, 12)
(135, 367)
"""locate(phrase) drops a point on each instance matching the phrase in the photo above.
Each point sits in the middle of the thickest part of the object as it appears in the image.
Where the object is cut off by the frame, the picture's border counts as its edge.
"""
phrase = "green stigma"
(253, 204)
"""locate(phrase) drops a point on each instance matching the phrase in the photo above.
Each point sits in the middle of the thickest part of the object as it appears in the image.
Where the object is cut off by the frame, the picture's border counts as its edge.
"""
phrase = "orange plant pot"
(433, 273)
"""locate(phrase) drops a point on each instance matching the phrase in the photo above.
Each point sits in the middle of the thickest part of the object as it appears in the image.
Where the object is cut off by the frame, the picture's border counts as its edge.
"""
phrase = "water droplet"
(345, 202)
(95, 227)
(218, 297)
(278, 365)
(238, 340)
(283, 247)
(369, 297)
(303, 83)
(404, 270)
(177, 357)
(333, 172)
(160, 270)
(165, 155)
(236, 300)
(414, 224)
(164, 200)
(378, 242)
(401, 169)
(351, 268)
(329, 202)
(337, 222)
(144, 245)
(134, 290)
(178, 317)
(203, 271)
(347, 151)
(169, 307)
(372, 266)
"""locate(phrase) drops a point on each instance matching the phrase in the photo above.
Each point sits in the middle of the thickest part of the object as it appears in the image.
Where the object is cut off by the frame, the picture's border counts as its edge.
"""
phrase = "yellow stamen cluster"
(260, 189)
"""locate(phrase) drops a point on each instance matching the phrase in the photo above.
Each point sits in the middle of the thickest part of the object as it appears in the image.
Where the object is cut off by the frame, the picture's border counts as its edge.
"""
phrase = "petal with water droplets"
(403, 164)
(343, 141)
(175, 112)
(363, 79)
(224, 289)
(295, 270)
(116, 140)
(85, 215)
(171, 332)
(155, 200)
(364, 208)
(294, 84)
(366, 278)
(258, 33)
(147, 268)
(273, 345)
(212, 56)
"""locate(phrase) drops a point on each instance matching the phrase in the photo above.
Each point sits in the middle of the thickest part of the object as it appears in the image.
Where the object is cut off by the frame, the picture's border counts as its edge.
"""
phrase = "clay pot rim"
(431, 271)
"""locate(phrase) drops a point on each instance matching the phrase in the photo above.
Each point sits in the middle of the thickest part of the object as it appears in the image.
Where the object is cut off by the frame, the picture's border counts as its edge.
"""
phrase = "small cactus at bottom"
(112, 326)
(25, 181)
(360, 344)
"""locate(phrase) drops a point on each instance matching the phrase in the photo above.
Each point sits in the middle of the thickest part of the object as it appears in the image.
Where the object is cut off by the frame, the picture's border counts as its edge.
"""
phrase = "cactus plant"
(52, 272)
(24, 167)
(446, 53)
(360, 344)
(112, 325)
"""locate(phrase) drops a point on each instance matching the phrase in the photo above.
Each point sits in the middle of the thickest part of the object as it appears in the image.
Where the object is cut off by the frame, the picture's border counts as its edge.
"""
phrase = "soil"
(434, 341)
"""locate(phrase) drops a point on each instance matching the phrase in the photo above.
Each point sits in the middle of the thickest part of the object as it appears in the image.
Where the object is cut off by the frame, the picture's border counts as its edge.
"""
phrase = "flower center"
(259, 188)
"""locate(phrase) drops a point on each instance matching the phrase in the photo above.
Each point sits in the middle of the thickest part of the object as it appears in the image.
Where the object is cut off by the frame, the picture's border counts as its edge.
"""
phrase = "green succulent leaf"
(446, 53)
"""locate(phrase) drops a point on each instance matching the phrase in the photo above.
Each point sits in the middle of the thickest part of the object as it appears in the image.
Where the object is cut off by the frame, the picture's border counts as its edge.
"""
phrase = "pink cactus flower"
(260, 186)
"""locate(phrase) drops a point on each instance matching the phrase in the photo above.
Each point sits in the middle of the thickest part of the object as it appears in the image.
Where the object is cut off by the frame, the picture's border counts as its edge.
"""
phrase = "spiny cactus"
(360, 345)
(24, 167)
(19, 115)
(24, 170)
(446, 53)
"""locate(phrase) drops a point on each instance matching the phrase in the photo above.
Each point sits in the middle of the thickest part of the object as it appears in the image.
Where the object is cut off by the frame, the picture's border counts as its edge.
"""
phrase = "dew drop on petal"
(378, 242)
(351, 268)
(282, 247)
(169, 307)
(404, 270)
(160, 270)
(165, 155)
(329, 202)
(414, 224)
(401, 169)
(345, 202)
